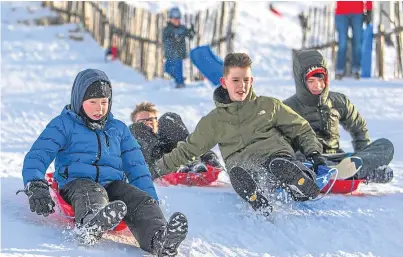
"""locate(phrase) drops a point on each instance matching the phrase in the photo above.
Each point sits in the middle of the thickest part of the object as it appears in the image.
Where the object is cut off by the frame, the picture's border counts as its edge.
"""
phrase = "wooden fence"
(138, 33)
(319, 32)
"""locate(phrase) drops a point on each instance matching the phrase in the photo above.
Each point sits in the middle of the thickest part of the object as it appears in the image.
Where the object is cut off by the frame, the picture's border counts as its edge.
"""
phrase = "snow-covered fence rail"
(319, 32)
(137, 33)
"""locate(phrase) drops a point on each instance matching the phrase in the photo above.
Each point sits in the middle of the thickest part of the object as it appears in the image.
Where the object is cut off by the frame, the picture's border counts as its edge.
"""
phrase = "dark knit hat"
(319, 75)
(98, 89)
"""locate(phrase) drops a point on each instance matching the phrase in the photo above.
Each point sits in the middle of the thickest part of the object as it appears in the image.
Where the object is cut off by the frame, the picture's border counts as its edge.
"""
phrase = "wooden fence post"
(230, 32)
(83, 17)
(399, 40)
(380, 42)
(216, 20)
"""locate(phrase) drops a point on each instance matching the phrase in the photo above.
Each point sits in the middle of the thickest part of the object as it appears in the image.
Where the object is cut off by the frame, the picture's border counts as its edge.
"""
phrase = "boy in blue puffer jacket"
(95, 156)
(174, 39)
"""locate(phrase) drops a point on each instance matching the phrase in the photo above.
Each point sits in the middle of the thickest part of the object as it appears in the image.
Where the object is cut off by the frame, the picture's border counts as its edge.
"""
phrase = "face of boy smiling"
(238, 83)
(315, 85)
(96, 108)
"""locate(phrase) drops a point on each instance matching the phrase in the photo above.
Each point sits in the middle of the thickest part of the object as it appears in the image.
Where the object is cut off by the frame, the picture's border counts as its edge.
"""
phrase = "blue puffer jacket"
(174, 39)
(101, 155)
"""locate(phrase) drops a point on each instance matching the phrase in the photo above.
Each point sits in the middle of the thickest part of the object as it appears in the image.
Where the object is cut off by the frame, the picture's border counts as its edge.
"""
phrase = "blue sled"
(209, 64)
(324, 175)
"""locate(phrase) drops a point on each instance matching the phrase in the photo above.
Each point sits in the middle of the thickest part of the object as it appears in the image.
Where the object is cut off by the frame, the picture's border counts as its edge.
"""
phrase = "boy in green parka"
(251, 131)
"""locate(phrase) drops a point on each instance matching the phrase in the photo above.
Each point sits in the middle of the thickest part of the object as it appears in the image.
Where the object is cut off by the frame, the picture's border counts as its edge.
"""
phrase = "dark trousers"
(171, 131)
(144, 216)
(376, 154)
(343, 22)
(174, 67)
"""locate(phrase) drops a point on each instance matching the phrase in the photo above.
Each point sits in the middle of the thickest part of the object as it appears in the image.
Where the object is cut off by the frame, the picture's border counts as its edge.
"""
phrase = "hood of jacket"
(303, 62)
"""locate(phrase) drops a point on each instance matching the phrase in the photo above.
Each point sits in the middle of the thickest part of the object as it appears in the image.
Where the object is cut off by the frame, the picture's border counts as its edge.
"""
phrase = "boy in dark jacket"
(95, 154)
(160, 136)
(251, 132)
(174, 39)
(325, 110)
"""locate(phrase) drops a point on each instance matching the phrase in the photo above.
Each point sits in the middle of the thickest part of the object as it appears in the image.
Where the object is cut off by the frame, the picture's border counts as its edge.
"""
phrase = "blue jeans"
(343, 22)
(174, 67)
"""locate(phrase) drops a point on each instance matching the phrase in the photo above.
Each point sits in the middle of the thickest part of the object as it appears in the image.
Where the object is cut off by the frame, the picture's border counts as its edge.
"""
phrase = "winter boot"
(166, 242)
(180, 86)
(247, 188)
(339, 76)
(95, 224)
(295, 178)
(382, 174)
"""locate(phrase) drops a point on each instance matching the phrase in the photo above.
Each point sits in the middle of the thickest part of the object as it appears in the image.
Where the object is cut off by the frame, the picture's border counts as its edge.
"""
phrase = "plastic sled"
(274, 10)
(64, 207)
(209, 64)
(343, 186)
(201, 179)
(323, 178)
(339, 186)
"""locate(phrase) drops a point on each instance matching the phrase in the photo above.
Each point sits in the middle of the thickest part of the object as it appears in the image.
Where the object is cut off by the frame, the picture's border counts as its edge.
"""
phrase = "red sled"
(66, 208)
(343, 186)
(274, 10)
(201, 179)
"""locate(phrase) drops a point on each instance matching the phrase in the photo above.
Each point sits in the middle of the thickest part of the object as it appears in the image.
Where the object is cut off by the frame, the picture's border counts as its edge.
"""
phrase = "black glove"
(367, 17)
(317, 159)
(212, 159)
(194, 167)
(191, 32)
(39, 197)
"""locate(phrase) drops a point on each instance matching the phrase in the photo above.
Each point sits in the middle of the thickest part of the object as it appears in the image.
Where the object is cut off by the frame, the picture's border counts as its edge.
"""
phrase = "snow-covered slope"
(38, 66)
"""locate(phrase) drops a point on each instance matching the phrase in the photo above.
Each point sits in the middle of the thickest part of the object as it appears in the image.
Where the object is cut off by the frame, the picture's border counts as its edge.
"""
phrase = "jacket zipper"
(98, 157)
(239, 124)
(65, 173)
(106, 139)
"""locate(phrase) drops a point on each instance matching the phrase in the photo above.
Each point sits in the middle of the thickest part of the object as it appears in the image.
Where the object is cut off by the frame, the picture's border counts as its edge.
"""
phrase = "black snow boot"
(95, 224)
(382, 174)
(246, 187)
(166, 242)
(295, 178)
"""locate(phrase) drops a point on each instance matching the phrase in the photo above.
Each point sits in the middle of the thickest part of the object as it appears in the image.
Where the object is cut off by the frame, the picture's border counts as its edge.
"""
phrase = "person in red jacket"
(351, 13)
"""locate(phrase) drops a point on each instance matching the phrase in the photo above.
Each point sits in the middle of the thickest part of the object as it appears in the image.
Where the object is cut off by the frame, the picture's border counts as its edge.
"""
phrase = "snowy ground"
(38, 66)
